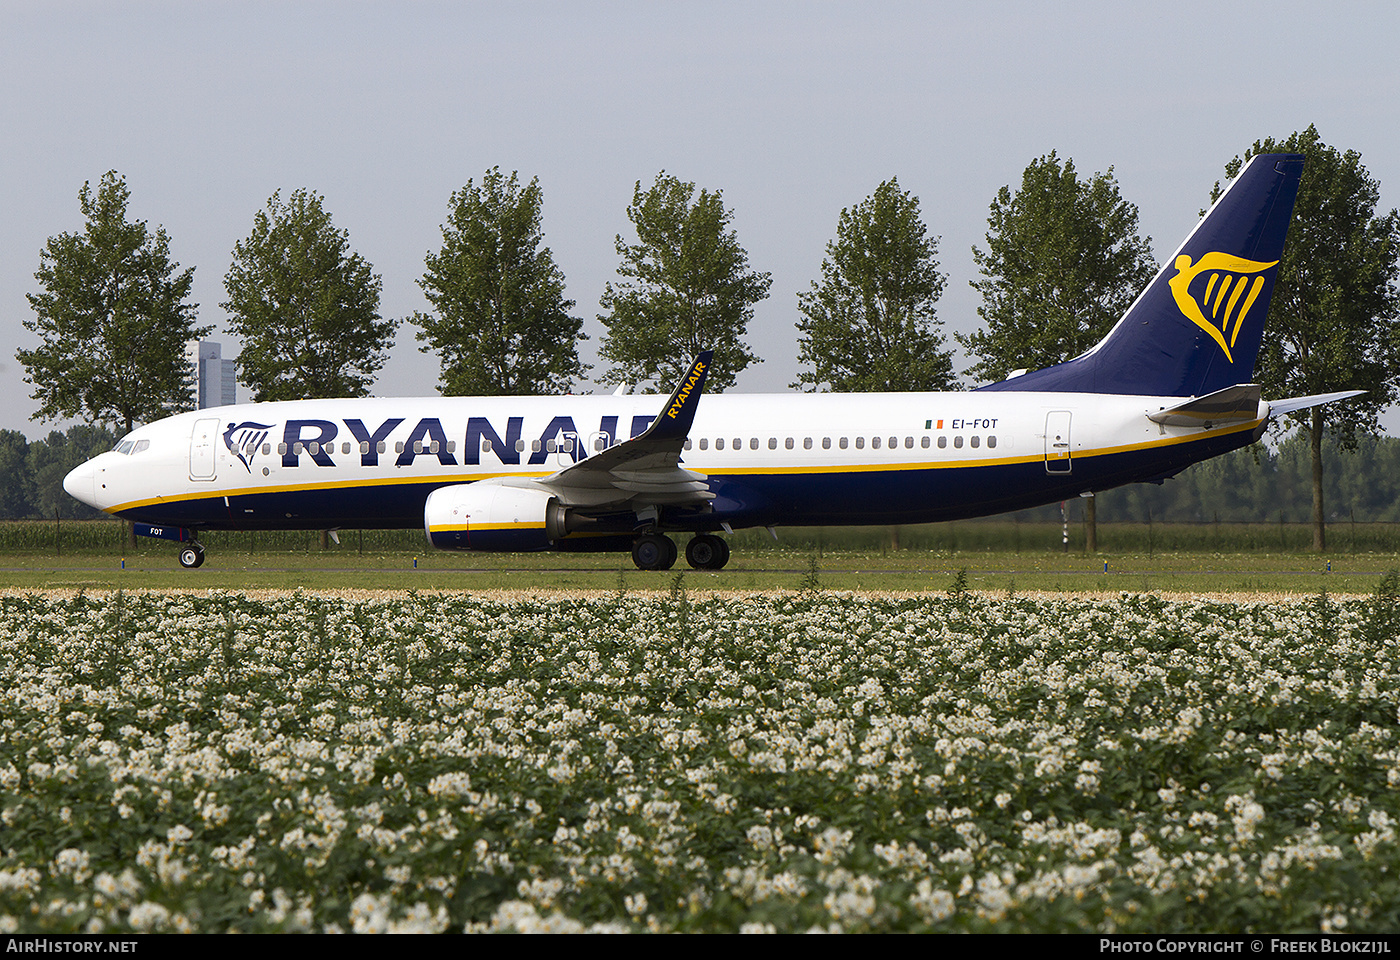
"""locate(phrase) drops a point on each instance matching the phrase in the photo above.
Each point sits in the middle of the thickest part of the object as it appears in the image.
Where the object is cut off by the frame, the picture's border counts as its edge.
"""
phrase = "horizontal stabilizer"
(1278, 408)
(1237, 404)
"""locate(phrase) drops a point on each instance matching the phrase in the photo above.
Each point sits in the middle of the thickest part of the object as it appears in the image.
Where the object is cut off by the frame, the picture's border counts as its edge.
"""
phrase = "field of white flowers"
(697, 763)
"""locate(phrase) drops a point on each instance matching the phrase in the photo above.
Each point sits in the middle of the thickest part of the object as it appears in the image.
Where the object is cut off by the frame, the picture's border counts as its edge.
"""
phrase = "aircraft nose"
(81, 483)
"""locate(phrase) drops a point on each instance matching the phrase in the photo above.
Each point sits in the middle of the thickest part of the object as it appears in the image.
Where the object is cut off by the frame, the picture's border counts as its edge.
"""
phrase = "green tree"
(688, 288)
(502, 325)
(49, 461)
(1063, 263)
(1332, 319)
(15, 482)
(871, 323)
(113, 317)
(305, 306)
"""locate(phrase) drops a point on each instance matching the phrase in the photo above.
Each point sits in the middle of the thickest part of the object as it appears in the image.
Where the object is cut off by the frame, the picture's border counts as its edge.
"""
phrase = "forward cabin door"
(1057, 449)
(202, 448)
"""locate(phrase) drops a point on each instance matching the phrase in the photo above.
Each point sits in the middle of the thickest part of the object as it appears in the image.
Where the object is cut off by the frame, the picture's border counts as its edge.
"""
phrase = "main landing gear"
(192, 555)
(657, 552)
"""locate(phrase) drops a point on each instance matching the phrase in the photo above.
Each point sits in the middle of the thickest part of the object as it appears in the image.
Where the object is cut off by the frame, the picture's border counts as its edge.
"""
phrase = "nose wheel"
(707, 552)
(192, 555)
(654, 552)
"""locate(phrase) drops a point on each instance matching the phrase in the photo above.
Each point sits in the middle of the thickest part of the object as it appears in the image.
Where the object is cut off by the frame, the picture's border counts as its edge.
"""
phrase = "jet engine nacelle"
(488, 515)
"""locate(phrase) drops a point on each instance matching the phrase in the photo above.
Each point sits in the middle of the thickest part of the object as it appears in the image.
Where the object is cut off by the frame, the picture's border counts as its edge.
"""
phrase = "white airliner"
(1168, 387)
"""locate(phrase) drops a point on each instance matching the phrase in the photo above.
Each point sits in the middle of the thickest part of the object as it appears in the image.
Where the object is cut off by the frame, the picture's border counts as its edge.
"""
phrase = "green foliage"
(305, 306)
(16, 482)
(687, 287)
(957, 590)
(113, 319)
(216, 762)
(871, 324)
(502, 325)
(1335, 302)
(1382, 619)
(812, 580)
(50, 460)
(1063, 263)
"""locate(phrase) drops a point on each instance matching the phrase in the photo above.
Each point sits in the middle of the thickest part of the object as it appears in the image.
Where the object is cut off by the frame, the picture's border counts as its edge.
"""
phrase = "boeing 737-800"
(1168, 387)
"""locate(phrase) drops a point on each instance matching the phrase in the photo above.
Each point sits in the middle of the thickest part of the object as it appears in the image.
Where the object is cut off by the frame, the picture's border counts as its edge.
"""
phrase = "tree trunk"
(1319, 522)
(1091, 525)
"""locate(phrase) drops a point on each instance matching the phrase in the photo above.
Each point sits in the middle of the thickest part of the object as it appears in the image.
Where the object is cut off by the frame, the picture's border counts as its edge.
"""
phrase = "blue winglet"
(679, 412)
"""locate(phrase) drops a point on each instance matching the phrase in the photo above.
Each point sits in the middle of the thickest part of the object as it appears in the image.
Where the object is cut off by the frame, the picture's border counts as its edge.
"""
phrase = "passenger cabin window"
(942, 442)
(719, 443)
(923, 442)
(991, 441)
(753, 443)
(772, 443)
(976, 441)
(874, 443)
(826, 443)
(806, 443)
(957, 442)
(704, 443)
(843, 443)
(860, 443)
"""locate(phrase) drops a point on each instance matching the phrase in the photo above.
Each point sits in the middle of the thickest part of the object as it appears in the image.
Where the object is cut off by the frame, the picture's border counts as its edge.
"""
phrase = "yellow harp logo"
(1219, 304)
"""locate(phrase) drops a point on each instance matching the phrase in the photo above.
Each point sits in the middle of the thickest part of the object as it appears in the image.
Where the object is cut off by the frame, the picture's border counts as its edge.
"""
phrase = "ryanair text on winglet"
(684, 391)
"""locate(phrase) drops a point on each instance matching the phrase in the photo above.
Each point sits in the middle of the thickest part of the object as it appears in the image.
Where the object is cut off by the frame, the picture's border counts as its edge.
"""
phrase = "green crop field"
(676, 761)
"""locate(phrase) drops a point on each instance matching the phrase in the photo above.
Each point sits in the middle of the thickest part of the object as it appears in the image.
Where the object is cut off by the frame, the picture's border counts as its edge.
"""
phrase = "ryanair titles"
(322, 443)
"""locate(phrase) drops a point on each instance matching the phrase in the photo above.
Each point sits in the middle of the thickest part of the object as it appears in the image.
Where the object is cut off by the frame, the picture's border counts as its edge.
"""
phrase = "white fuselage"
(770, 459)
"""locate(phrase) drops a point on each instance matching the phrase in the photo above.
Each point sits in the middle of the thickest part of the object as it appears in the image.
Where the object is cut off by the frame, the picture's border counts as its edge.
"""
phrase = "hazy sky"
(793, 110)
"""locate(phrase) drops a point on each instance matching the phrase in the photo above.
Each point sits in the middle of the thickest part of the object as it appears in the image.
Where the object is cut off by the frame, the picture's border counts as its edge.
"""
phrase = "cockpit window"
(124, 447)
(140, 446)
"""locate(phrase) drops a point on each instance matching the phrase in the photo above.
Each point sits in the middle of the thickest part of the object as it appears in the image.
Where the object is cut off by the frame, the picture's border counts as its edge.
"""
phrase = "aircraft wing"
(645, 469)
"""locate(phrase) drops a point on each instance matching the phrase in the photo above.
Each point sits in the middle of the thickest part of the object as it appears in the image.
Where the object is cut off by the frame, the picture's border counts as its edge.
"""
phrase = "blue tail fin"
(1198, 325)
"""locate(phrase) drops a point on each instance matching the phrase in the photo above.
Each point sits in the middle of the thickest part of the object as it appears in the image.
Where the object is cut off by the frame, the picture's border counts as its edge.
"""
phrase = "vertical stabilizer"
(1197, 327)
